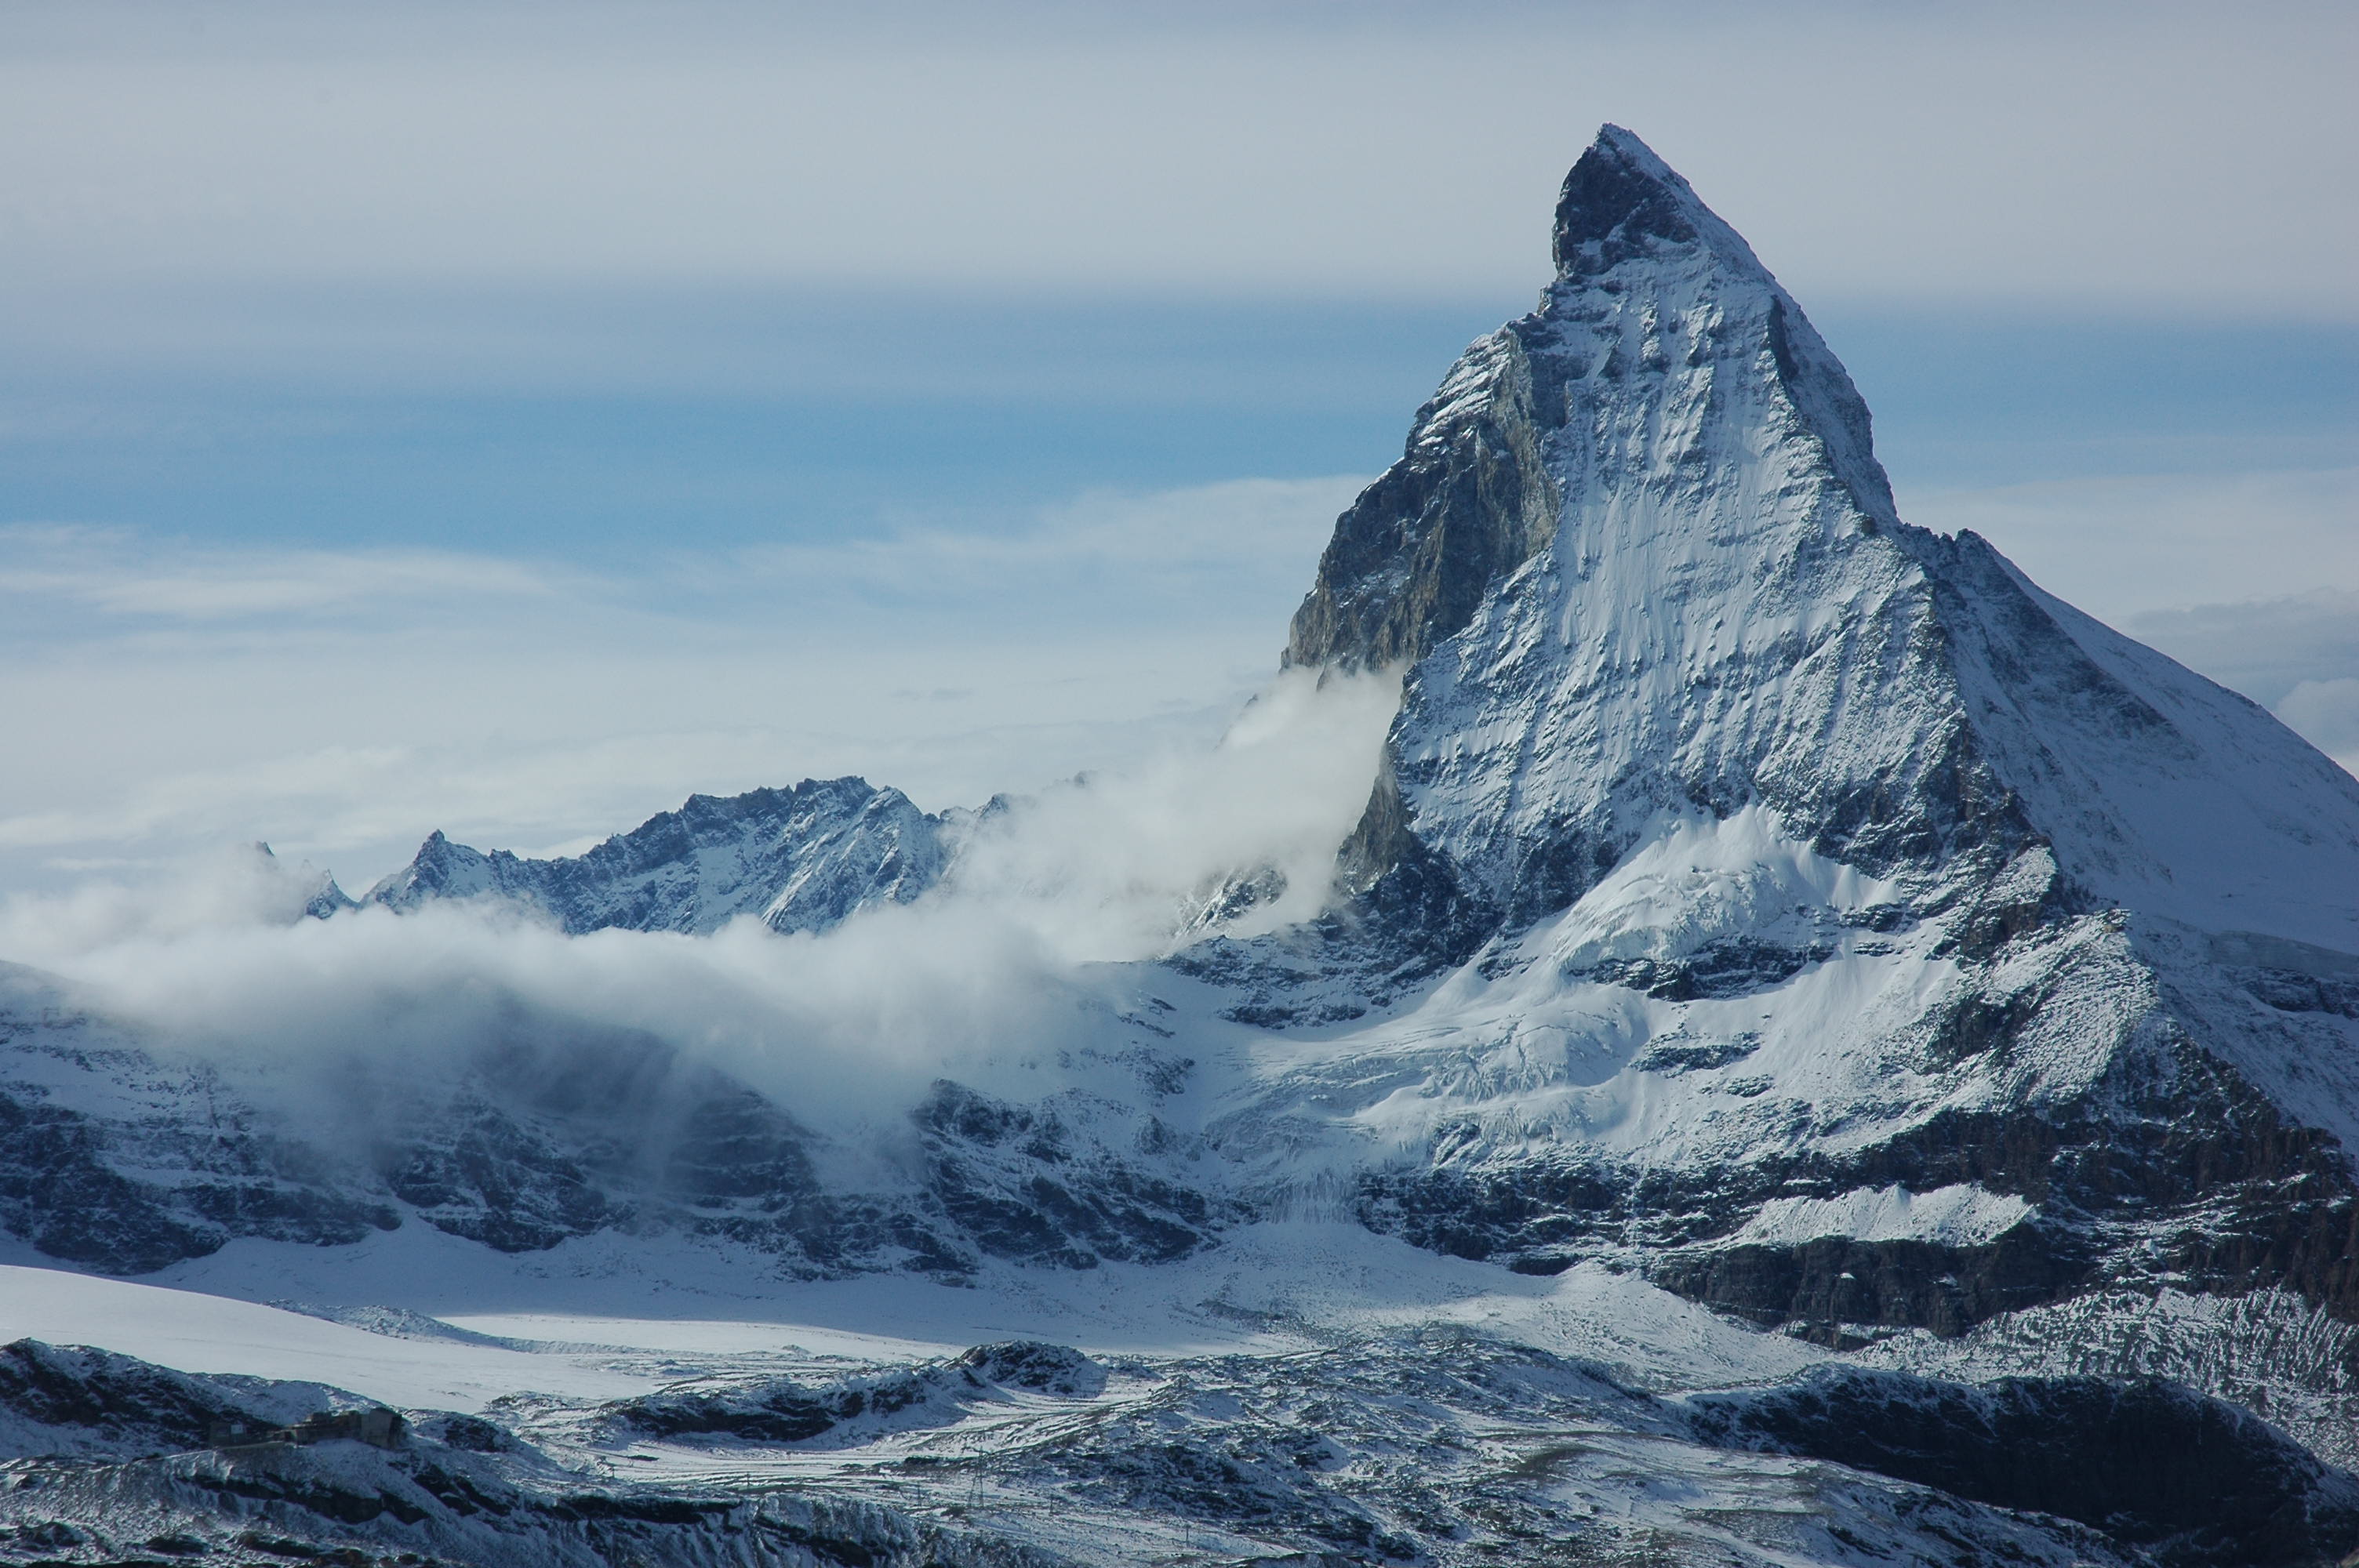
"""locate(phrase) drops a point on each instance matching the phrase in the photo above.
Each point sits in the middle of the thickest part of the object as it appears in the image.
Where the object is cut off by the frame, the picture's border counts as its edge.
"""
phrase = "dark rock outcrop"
(2189, 1481)
(76, 1401)
(1019, 1182)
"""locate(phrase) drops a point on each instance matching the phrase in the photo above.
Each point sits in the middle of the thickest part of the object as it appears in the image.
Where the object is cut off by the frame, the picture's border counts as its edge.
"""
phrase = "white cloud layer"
(2122, 546)
(986, 979)
(342, 705)
(347, 702)
(110, 572)
(168, 697)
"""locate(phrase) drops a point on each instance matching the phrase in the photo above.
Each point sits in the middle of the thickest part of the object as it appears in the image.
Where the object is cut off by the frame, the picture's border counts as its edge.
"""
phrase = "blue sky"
(510, 419)
(855, 411)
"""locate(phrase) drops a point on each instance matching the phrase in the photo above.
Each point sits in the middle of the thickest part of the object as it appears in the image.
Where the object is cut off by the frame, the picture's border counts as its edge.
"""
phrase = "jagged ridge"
(801, 860)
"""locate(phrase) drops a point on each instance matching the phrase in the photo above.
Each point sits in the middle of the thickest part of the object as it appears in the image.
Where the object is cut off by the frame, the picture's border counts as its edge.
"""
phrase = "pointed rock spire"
(1641, 559)
(1643, 269)
(1619, 197)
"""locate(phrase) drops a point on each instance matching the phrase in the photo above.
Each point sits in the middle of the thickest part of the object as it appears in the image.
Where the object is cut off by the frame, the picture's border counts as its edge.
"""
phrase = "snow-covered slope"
(799, 860)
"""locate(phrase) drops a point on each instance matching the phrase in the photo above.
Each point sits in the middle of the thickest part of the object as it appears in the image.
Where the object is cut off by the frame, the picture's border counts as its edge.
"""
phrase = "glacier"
(1794, 1046)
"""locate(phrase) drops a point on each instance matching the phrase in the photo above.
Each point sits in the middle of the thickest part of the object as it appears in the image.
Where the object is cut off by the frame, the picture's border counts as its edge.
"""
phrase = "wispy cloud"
(1225, 546)
(2266, 648)
(1249, 537)
(2327, 713)
(116, 572)
(987, 977)
(2124, 545)
(343, 704)
(2299, 655)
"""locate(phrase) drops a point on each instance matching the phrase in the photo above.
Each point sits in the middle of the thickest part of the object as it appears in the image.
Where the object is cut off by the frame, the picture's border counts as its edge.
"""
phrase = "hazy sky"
(510, 417)
(2107, 156)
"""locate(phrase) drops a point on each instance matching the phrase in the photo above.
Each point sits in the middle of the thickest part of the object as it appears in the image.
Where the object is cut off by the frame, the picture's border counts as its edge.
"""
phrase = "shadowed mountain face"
(120, 1154)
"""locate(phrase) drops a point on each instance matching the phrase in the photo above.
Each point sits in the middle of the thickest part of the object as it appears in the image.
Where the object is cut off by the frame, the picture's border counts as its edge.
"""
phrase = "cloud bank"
(342, 704)
(987, 979)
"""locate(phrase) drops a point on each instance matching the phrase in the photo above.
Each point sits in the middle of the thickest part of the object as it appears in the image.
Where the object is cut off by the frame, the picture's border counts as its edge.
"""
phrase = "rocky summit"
(1815, 1051)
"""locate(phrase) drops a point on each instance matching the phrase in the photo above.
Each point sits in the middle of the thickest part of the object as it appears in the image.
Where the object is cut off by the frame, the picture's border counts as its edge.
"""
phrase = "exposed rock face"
(849, 1410)
(1418, 551)
(801, 860)
(121, 1159)
(90, 1403)
(2158, 1469)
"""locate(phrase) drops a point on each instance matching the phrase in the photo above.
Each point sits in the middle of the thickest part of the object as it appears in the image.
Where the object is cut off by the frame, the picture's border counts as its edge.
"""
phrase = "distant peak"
(1620, 142)
(1619, 197)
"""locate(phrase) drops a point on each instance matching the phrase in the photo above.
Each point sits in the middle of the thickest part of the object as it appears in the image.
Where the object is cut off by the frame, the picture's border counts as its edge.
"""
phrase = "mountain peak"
(1621, 201)
(1639, 559)
(1662, 349)
(800, 858)
(1619, 195)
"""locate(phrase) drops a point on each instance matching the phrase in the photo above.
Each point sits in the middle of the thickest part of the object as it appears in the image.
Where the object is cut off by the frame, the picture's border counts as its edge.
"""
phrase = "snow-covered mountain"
(1847, 933)
(1777, 936)
(799, 860)
(1647, 567)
